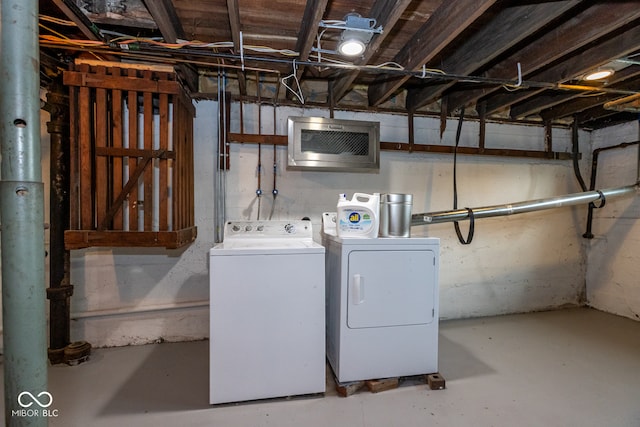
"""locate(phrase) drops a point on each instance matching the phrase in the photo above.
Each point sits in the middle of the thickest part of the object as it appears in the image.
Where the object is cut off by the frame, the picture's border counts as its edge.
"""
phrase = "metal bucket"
(395, 215)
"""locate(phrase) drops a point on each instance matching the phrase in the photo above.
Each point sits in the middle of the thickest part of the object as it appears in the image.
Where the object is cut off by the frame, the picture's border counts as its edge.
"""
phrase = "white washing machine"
(267, 316)
(382, 306)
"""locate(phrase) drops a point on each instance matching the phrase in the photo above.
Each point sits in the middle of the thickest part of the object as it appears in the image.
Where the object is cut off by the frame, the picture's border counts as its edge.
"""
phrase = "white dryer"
(382, 306)
(267, 317)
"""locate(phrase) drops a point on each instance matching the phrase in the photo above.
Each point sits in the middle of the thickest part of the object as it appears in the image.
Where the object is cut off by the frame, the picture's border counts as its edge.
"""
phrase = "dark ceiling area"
(522, 61)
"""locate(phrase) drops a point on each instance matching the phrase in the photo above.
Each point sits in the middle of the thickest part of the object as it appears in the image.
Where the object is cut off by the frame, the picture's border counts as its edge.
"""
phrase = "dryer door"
(391, 288)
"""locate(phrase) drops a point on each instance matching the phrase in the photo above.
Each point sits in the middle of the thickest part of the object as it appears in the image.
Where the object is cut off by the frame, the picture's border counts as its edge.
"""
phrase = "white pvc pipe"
(139, 309)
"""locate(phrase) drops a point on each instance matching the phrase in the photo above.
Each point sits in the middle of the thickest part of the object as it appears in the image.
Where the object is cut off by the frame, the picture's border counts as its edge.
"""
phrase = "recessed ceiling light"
(351, 44)
(356, 34)
(599, 74)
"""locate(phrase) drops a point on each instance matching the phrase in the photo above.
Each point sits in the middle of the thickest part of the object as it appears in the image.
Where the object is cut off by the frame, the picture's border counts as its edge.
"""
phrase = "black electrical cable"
(274, 192)
(574, 155)
(456, 225)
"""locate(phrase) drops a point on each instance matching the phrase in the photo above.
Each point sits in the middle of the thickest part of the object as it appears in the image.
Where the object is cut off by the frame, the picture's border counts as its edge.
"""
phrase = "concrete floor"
(574, 367)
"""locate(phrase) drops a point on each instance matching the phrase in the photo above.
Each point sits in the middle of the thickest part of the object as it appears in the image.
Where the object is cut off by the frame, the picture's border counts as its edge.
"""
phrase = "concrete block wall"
(523, 263)
(527, 262)
(613, 262)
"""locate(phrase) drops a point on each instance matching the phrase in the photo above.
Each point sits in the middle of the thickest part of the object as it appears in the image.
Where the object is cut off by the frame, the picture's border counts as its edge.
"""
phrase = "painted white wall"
(128, 296)
(528, 262)
(613, 260)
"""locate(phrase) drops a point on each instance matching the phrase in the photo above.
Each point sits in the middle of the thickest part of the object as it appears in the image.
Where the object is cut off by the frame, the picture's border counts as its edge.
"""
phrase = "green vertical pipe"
(22, 214)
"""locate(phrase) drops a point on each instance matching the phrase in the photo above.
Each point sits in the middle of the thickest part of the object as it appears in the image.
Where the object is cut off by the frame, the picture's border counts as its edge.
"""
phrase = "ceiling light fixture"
(599, 74)
(352, 43)
(356, 33)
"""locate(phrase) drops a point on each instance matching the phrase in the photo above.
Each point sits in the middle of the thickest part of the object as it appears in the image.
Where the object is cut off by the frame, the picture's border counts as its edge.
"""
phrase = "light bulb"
(351, 47)
(599, 74)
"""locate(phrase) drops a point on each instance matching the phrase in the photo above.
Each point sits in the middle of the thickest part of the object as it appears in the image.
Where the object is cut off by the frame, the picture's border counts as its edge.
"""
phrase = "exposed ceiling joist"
(582, 29)
(309, 27)
(570, 104)
(313, 13)
(574, 106)
(602, 53)
(165, 16)
(508, 27)
(386, 13)
(73, 12)
(446, 23)
(234, 22)
(478, 44)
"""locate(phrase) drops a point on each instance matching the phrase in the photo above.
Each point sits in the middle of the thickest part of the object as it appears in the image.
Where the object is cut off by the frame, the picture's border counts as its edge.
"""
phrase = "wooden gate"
(131, 139)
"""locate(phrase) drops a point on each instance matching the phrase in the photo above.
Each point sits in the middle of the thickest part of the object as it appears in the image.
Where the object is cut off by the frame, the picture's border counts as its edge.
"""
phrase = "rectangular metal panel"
(333, 145)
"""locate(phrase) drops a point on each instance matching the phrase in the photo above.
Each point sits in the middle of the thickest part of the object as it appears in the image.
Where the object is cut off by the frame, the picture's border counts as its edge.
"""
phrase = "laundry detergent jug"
(358, 217)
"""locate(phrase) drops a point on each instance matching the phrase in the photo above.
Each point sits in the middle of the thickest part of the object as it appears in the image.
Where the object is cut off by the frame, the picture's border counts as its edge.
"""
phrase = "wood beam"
(79, 239)
(584, 28)
(594, 114)
(506, 29)
(245, 138)
(386, 13)
(598, 118)
(584, 99)
(165, 16)
(602, 53)
(445, 24)
(543, 101)
(499, 152)
(573, 106)
(73, 12)
(84, 24)
(233, 9)
(313, 13)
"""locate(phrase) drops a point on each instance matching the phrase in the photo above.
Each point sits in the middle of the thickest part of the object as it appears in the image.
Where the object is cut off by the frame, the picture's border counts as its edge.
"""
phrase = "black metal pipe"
(588, 234)
(575, 150)
(60, 288)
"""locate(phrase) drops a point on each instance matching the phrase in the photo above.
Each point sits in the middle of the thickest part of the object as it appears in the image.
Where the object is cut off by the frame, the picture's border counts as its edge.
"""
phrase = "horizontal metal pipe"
(523, 207)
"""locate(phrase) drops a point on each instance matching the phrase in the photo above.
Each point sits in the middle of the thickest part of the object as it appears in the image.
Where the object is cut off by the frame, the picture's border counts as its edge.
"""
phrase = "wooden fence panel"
(132, 150)
(117, 128)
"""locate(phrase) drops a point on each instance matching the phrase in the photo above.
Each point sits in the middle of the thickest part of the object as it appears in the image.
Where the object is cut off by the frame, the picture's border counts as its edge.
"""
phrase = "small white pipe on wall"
(141, 309)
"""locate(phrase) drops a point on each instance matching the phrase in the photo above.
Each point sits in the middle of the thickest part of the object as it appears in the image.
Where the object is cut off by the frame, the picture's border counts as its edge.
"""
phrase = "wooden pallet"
(435, 381)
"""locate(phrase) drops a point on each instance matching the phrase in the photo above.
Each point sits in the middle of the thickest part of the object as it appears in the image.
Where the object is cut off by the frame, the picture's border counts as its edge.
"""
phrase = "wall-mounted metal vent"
(334, 145)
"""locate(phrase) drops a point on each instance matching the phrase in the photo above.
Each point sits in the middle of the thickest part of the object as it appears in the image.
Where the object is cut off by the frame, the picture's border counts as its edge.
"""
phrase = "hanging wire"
(455, 189)
(151, 49)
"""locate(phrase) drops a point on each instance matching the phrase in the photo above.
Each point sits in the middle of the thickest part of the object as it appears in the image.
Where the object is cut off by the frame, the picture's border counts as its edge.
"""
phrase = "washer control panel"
(299, 229)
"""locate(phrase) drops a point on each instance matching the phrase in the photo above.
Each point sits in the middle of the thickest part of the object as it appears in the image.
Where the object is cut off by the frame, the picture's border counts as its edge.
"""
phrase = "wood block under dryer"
(347, 389)
(435, 381)
(383, 384)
